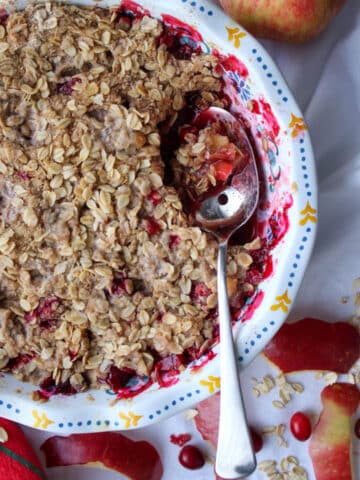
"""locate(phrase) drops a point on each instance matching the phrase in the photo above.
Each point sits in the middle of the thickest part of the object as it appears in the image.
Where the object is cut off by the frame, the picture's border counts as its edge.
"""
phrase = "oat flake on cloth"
(325, 79)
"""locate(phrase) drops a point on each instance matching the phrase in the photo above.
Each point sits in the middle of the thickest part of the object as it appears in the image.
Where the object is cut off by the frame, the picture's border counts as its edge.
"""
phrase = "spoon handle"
(235, 456)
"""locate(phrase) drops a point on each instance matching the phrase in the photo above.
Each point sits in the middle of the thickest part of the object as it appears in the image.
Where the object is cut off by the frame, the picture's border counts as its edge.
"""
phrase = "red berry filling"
(23, 175)
(130, 11)
(121, 285)
(46, 313)
(151, 226)
(125, 382)
(22, 359)
(199, 293)
(66, 88)
(154, 197)
(3, 16)
(48, 388)
(167, 369)
(174, 240)
(181, 40)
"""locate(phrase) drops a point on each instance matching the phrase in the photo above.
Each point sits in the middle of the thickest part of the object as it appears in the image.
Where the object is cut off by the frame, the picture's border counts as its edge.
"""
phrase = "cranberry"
(300, 426)
(154, 197)
(199, 293)
(191, 457)
(66, 88)
(118, 379)
(121, 285)
(357, 428)
(180, 440)
(257, 440)
(3, 16)
(151, 226)
(24, 175)
(48, 388)
(174, 241)
(46, 313)
(22, 359)
(167, 369)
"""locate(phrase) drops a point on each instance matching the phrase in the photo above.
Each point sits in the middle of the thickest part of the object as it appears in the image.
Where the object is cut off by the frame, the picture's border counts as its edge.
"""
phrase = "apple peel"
(330, 445)
(137, 460)
(313, 344)
(17, 459)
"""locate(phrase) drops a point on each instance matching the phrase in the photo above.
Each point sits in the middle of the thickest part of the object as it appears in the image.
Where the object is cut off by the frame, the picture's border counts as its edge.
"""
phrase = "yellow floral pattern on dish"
(308, 215)
(297, 125)
(282, 302)
(131, 420)
(235, 35)
(213, 383)
(41, 420)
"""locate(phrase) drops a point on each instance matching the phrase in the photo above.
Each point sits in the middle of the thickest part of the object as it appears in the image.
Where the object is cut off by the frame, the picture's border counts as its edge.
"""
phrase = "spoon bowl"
(222, 214)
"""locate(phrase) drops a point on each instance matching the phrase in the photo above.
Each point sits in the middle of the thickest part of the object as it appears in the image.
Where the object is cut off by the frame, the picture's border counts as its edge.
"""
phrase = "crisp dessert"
(103, 276)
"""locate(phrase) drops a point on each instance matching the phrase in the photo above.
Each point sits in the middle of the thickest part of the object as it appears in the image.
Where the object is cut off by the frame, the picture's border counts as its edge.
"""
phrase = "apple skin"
(330, 445)
(294, 21)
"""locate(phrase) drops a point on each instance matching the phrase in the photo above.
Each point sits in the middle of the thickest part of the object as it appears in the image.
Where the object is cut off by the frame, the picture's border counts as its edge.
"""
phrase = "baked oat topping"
(102, 274)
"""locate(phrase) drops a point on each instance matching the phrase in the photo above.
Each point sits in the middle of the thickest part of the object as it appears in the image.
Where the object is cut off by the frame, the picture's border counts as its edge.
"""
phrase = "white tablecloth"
(325, 79)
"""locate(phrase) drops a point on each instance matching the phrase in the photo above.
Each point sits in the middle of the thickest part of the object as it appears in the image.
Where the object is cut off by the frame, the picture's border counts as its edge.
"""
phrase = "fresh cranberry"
(174, 241)
(191, 457)
(118, 379)
(151, 226)
(22, 359)
(46, 313)
(300, 426)
(257, 440)
(48, 388)
(3, 16)
(154, 197)
(66, 88)
(357, 428)
(23, 175)
(121, 285)
(180, 440)
(199, 293)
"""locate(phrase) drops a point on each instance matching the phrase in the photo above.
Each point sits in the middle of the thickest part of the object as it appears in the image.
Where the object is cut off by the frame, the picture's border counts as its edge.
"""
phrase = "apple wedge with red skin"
(330, 445)
(313, 344)
(136, 460)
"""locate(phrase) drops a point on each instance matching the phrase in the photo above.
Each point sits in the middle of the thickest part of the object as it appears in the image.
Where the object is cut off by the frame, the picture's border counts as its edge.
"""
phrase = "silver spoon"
(221, 215)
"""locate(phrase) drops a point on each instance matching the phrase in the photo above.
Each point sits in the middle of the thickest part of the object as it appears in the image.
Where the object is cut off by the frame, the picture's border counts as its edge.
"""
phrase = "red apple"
(136, 460)
(330, 446)
(287, 20)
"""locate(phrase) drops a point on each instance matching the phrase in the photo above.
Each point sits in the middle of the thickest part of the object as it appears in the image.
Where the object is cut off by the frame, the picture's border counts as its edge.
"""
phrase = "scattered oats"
(190, 414)
(330, 378)
(278, 404)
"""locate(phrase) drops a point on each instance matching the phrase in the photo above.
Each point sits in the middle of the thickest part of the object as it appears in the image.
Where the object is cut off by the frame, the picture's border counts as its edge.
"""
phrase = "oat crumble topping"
(100, 267)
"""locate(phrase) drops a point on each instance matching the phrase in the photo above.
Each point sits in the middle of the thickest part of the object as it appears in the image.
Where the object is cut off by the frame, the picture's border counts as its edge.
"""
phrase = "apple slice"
(17, 459)
(137, 460)
(330, 445)
(312, 344)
